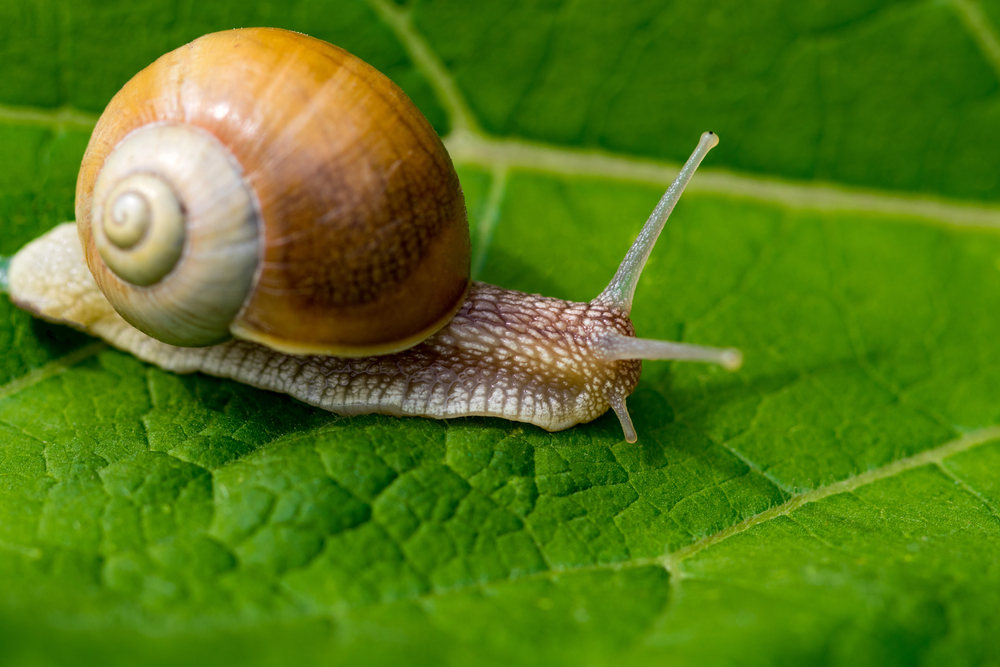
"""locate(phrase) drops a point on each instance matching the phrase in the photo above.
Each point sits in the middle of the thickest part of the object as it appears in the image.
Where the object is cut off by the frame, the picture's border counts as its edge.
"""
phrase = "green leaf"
(836, 501)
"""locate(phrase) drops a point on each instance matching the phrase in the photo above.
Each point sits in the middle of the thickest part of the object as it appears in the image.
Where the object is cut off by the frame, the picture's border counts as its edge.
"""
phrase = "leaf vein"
(979, 27)
(934, 456)
(58, 118)
(51, 369)
(400, 21)
(965, 486)
(491, 215)
(671, 561)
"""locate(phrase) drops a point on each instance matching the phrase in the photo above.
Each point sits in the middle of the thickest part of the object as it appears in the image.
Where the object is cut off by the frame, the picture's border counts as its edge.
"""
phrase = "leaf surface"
(835, 502)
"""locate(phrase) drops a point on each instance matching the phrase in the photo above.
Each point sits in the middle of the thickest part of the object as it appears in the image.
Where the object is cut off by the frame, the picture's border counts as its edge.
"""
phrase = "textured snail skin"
(505, 354)
(364, 244)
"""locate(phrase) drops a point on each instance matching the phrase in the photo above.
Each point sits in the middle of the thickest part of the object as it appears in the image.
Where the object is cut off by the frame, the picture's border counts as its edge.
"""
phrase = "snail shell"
(266, 185)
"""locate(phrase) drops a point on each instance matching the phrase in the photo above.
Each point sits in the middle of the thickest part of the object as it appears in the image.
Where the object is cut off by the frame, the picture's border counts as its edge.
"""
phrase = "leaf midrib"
(500, 156)
(468, 144)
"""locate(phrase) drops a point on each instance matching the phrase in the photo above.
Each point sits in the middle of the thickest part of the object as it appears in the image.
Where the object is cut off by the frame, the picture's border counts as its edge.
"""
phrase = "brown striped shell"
(343, 227)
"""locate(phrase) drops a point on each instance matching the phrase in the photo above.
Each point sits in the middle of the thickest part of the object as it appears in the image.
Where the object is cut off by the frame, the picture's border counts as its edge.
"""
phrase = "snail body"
(321, 251)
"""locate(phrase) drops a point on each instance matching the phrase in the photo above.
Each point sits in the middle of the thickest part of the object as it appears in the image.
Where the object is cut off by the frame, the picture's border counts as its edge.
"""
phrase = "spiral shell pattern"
(177, 230)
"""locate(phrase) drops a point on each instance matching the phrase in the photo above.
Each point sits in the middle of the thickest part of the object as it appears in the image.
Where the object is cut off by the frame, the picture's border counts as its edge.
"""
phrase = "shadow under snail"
(264, 206)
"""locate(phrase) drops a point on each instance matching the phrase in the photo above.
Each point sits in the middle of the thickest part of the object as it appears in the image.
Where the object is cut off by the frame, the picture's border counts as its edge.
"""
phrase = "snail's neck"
(549, 339)
(529, 357)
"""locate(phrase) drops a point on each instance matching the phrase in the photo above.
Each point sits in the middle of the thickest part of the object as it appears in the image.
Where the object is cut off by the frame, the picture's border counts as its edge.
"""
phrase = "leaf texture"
(835, 502)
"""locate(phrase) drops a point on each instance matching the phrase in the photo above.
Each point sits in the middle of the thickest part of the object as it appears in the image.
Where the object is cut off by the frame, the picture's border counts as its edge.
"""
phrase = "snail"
(263, 206)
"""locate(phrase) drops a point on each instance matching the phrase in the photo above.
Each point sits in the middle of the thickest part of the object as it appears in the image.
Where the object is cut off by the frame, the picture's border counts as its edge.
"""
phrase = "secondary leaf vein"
(929, 457)
(55, 118)
(467, 143)
(51, 369)
(980, 29)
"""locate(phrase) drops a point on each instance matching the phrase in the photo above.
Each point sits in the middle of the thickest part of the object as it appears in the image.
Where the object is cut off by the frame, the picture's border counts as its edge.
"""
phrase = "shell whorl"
(140, 233)
(177, 229)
